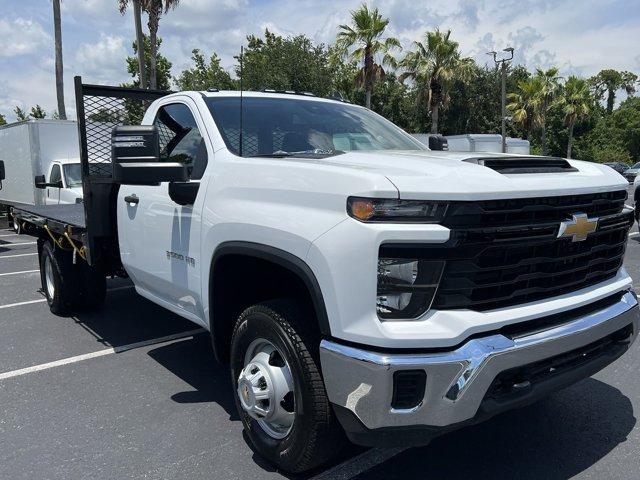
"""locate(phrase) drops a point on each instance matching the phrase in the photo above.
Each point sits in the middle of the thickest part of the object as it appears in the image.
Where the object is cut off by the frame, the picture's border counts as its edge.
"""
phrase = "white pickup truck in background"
(356, 282)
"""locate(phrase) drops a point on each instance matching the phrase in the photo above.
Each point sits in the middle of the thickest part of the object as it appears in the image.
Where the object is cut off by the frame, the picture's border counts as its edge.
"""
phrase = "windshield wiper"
(301, 153)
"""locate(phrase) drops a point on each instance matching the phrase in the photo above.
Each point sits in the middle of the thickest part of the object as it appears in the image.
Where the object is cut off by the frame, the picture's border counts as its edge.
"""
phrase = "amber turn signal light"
(362, 209)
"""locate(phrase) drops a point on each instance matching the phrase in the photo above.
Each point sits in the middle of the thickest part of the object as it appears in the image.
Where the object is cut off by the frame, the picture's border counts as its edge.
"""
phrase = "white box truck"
(42, 163)
(486, 142)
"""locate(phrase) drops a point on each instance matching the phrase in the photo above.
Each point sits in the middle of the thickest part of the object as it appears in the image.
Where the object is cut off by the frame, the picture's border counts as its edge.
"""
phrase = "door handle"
(131, 199)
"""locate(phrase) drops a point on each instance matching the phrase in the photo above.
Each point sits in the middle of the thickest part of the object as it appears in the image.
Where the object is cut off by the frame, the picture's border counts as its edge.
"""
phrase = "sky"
(581, 37)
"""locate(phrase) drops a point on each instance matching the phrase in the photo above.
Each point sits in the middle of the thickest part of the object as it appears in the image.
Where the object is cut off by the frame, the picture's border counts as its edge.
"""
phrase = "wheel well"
(242, 277)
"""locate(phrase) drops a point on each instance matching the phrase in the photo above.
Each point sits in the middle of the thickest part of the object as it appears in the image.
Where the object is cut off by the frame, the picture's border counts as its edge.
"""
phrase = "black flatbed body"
(65, 218)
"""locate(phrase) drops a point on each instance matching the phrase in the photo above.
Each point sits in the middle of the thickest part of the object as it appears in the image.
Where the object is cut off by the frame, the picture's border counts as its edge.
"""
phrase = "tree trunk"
(611, 98)
(368, 77)
(543, 136)
(154, 19)
(434, 119)
(57, 28)
(142, 67)
(570, 140)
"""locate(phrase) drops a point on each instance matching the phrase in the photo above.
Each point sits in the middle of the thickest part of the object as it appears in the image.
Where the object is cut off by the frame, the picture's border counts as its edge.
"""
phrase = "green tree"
(21, 115)
(365, 34)
(613, 135)
(576, 104)
(122, 8)
(134, 109)
(291, 63)
(343, 75)
(37, 112)
(524, 104)
(433, 66)
(203, 76)
(549, 86)
(3, 120)
(608, 82)
(163, 65)
(474, 102)
(155, 9)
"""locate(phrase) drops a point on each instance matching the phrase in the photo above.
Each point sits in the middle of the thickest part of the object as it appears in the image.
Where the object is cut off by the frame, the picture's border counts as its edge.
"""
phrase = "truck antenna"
(240, 136)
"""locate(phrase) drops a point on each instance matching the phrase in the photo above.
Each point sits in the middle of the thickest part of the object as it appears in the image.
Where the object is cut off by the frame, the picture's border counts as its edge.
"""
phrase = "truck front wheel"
(59, 278)
(279, 391)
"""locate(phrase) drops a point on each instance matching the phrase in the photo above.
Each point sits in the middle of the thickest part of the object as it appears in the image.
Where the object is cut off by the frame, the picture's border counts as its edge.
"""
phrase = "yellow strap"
(46, 227)
(80, 251)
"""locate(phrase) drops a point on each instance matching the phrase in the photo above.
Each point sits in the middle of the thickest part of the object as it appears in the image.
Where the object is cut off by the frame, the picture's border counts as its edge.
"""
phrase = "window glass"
(56, 176)
(73, 175)
(301, 125)
(180, 139)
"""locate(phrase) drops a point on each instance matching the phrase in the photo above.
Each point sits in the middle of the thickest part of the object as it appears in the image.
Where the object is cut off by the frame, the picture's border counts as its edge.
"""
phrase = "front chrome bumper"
(361, 381)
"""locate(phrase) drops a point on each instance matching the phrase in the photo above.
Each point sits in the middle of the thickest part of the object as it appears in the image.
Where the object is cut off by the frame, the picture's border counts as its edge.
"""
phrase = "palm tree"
(576, 101)
(610, 81)
(524, 104)
(366, 33)
(155, 9)
(433, 66)
(57, 29)
(549, 86)
(122, 7)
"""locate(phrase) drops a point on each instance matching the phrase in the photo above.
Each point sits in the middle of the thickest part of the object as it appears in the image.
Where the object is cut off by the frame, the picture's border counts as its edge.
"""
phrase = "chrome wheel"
(48, 276)
(16, 225)
(266, 390)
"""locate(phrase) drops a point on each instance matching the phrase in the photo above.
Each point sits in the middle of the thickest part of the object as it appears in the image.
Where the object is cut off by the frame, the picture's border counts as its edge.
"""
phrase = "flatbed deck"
(66, 218)
(69, 214)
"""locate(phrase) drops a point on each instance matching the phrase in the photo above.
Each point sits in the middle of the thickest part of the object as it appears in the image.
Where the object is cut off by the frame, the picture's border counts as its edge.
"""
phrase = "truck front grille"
(506, 252)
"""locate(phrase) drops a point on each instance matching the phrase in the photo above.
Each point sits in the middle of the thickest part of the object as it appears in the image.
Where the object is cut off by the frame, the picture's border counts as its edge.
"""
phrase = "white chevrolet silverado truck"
(355, 281)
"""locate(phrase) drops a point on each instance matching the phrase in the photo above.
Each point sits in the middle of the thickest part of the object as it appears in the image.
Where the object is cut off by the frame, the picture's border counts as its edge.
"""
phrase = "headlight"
(406, 287)
(393, 210)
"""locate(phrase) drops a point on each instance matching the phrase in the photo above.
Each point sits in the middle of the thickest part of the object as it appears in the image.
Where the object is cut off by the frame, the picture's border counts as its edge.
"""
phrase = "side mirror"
(2, 174)
(438, 142)
(135, 155)
(40, 182)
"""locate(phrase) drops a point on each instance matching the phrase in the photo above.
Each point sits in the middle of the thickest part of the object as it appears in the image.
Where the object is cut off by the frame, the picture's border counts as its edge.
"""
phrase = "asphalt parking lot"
(133, 392)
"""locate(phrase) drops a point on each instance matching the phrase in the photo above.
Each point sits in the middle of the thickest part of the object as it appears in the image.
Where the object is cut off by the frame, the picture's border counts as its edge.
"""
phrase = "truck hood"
(446, 176)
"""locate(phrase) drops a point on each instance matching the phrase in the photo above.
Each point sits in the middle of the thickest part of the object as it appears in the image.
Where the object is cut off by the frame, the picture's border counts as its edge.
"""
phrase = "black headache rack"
(99, 109)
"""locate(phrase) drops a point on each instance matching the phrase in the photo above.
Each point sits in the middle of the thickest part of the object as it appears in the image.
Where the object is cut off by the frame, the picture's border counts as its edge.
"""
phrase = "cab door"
(159, 227)
(52, 196)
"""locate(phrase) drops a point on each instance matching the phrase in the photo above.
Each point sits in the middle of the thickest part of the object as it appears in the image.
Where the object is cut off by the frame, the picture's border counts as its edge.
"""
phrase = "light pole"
(503, 68)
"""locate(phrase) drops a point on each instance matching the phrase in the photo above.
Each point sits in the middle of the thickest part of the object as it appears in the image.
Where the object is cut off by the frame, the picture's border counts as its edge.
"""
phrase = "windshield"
(637, 165)
(73, 175)
(281, 126)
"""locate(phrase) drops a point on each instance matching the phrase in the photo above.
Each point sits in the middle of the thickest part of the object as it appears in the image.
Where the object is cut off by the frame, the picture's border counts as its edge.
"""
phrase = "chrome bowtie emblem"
(579, 227)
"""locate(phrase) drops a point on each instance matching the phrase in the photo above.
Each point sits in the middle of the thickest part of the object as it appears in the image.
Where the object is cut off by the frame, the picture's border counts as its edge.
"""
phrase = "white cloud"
(103, 61)
(579, 37)
(21, 37)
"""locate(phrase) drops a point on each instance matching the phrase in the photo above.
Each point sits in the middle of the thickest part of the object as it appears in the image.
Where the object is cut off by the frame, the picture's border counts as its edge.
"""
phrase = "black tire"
(315, 437)
(93, 288)
(64, 279)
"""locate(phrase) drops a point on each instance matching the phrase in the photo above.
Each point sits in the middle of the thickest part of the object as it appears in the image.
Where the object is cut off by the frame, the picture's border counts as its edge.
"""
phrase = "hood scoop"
(517, 165)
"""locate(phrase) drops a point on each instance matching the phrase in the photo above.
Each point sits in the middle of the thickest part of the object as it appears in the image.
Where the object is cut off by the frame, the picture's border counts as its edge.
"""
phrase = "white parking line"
(99, 353)
(18, 255)
(359, 464)
(18, 273)
(10, 235)
(16, 244)
(40, 300)
(28, 302)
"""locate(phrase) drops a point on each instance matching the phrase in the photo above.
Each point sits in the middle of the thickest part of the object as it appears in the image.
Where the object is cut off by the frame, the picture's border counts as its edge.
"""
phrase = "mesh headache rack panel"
(100, 108)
